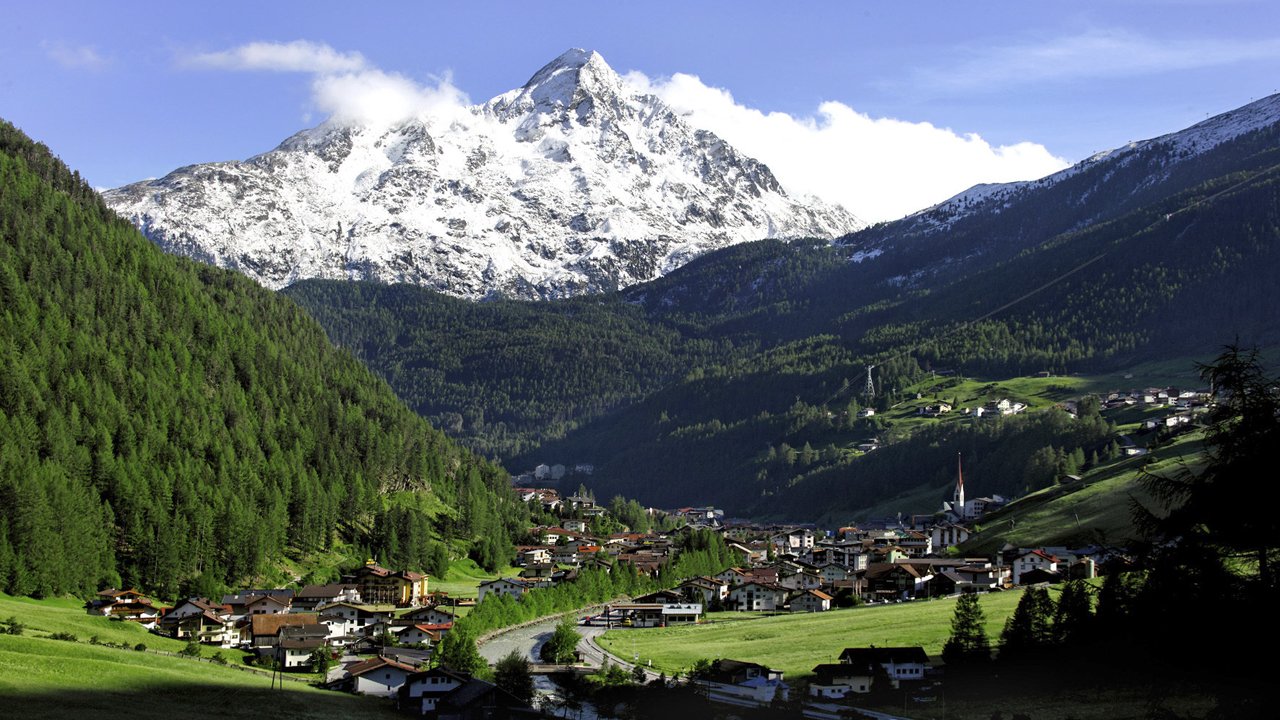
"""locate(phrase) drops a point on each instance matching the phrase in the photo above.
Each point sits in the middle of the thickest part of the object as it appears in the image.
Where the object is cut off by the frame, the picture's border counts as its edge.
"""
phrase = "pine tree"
(1030, 628)
(968, 643)
(1073, 617)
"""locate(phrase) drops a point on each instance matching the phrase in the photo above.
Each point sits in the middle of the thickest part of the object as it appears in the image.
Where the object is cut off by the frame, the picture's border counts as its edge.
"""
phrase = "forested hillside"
(173, 426)
(736, 379)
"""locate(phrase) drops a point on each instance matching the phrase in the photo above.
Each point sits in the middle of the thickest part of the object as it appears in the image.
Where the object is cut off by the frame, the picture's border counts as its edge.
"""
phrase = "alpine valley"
(737, 379)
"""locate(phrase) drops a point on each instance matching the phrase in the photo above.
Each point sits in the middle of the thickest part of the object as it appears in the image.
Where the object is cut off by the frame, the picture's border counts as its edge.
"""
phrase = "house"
(733, 576)
(898, 663)
(661, 596)
(935, 410)
(746, 555)
(565, 555)
(804, 580)
(401, 588)
(239, 602)
(265, 629)
(267, 605)
(831, 572)
(945, 535)
(296, 653)
(657, 614)
(376, 676)
(1033, 560)
(704, 589)
(916, 544)
(979, 575)
(347, 620)
(898, 580)
(128, 605)
(425, 633)
(1039, 575)
(422, 691)
(428, 615)
(513, 587)
(811, 601)
(836, 680)
(200, 620)
(533, 555)
(296, 644)
(313, 596)
(552, 535)
(794, 541)
(575, 526)
(449, 695)
(744, 684)
(757, 596)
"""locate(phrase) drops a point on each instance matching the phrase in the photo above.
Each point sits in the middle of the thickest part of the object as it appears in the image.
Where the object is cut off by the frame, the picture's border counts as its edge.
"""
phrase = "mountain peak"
(572, 75)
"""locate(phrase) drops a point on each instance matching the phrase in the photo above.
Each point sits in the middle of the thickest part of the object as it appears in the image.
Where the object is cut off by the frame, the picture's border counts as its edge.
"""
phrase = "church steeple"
(957, 499)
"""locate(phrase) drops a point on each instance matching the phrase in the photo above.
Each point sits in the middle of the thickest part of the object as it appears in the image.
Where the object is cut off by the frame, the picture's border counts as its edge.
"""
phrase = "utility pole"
(869, 390)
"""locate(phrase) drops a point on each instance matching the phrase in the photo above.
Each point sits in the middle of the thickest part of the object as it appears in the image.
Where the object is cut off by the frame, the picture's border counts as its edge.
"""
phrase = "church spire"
(958, 497)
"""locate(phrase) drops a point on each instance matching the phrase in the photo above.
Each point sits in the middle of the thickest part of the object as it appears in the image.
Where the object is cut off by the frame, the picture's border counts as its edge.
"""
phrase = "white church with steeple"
(961, 510)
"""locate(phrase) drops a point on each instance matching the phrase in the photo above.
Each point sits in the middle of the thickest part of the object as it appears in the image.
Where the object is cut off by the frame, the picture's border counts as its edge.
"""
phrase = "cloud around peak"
(345, 86)
(879, 168)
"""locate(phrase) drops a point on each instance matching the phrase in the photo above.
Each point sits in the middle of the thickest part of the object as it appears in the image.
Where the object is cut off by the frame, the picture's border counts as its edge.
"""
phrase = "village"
(377, 631)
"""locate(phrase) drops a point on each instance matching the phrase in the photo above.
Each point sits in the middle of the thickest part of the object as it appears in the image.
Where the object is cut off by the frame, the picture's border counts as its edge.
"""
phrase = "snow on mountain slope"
(1172, 149)
(570, 184)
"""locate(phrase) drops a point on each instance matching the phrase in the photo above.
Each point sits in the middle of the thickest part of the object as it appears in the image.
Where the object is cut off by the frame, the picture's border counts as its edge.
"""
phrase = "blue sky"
(125, 91)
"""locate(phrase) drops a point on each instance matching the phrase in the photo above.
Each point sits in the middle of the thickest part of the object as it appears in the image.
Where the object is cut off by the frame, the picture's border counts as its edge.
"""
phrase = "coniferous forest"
(173, 426)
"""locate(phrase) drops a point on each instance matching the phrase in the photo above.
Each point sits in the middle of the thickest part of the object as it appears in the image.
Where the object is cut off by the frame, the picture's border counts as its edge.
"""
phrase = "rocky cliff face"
(571, 184)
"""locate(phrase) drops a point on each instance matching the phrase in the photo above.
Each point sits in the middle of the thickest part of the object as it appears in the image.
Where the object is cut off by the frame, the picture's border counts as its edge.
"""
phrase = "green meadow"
(1097, 508)
(795, 643)
(465, 577)
(45, 678)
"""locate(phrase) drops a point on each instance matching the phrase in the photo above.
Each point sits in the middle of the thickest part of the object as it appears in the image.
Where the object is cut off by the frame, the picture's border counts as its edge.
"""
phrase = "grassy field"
(465, 577)
(1095, 509)
(45, 678)
(42, 678)
(795, 643)
(42, 617)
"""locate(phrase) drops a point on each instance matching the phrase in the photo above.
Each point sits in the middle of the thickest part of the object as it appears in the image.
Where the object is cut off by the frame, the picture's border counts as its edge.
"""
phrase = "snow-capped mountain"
(573, 183)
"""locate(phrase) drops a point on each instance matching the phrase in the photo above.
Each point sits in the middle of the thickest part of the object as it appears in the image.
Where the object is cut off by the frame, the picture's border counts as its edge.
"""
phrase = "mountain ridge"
(573, 183)
(763, 346)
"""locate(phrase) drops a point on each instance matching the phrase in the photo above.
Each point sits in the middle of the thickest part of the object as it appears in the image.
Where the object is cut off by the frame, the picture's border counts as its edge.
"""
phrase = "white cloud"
(879, 168)
(75, 57)
(1091, 54)
(379, 98)
(345, 86)
(297, 56)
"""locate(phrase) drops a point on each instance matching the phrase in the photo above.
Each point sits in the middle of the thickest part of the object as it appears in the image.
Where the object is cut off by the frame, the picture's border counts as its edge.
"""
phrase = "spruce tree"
(1030, 628)
(968, 643)
(1073, 617)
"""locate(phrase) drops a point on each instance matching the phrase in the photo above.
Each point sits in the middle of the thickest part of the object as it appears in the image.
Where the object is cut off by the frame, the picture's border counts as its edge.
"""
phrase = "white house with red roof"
(1033, 560)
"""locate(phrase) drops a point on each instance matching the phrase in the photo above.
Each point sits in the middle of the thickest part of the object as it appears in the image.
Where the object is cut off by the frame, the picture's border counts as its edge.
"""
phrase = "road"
(595, 655)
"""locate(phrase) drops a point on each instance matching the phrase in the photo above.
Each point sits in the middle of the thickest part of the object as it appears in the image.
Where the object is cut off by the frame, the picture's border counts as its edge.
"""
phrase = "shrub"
(140, 647)
(64, 636)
